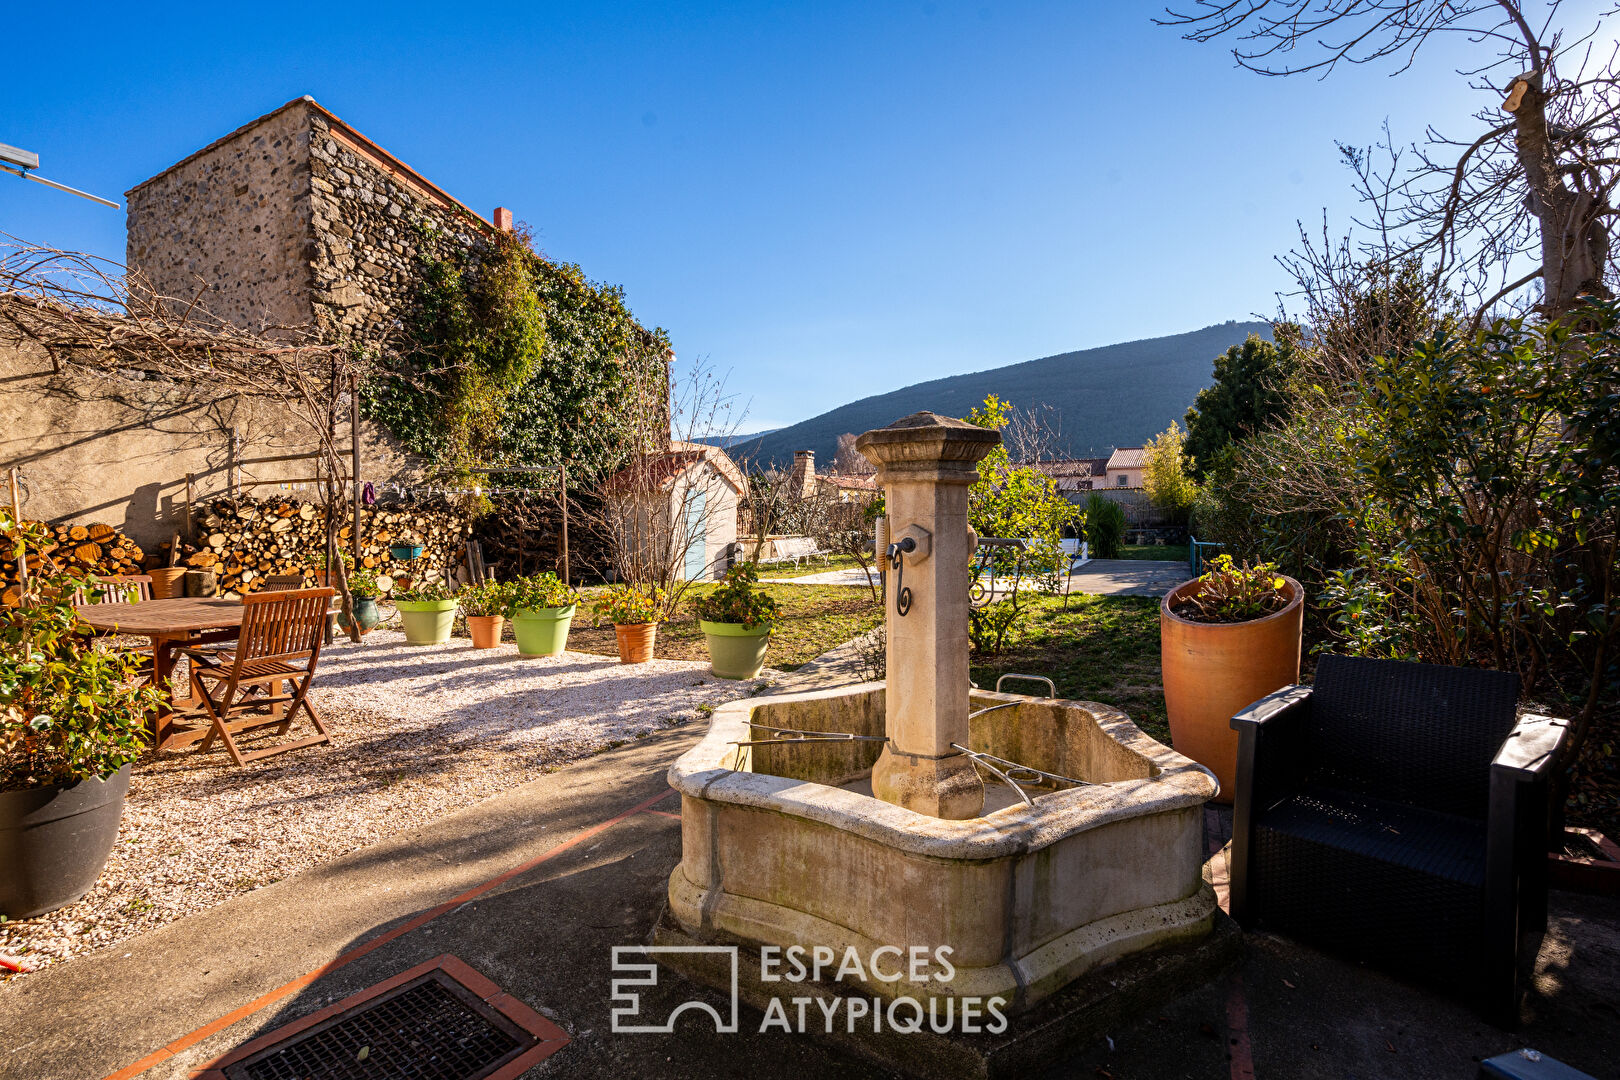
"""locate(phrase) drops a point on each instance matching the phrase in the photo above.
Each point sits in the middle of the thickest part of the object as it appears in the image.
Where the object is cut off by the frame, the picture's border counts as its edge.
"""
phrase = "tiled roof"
(1128, 457)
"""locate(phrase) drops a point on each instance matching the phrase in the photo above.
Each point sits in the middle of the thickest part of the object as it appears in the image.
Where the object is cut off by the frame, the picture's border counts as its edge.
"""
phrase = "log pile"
(88, 549)
(244, 542)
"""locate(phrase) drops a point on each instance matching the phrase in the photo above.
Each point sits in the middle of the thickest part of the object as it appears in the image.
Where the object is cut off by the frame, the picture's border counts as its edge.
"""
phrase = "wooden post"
(234, 452)
(189, 530)
(354, 450)
(562, 493)
(16, 523)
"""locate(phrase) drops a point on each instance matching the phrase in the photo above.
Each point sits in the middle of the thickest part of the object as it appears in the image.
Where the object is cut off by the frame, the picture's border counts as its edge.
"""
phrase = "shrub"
(364, 586)
(68, 709)
(423, 592)
(481, 599)
(537, 593)
(1232, 593)
(1105, 526)
(740, 599)
(626, 605)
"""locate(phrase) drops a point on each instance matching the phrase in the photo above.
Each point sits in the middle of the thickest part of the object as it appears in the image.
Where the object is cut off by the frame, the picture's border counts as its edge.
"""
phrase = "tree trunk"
(1574, 239)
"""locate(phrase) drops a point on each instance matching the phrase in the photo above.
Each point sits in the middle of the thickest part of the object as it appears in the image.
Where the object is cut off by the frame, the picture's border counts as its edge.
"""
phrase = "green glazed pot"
(736, 652)
(427, 622)
(543, 631)
(365, 613)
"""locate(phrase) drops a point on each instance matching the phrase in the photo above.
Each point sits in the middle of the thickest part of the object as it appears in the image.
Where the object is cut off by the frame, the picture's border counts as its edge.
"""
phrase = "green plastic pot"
(427, 622)
(542, 631)
(736, 652)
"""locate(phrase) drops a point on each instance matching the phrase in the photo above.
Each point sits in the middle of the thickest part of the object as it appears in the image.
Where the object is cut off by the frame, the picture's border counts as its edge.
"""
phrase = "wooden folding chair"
(280, 642)
(121, 589)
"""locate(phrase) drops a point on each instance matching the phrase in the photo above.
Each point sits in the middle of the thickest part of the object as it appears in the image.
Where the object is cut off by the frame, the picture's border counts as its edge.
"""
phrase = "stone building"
(294, 219)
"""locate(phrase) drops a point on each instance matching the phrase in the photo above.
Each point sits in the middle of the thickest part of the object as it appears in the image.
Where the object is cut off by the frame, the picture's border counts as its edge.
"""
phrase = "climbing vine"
(509, 357)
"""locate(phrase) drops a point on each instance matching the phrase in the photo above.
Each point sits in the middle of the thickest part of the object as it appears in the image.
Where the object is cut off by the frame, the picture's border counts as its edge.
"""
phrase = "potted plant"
(1226, 640)
(324, 574)
(635, 615)
(542, 610)
(428, 612)
(737, 619)
(484, 606)
(405, 552)
(72, 719)
(363, 587)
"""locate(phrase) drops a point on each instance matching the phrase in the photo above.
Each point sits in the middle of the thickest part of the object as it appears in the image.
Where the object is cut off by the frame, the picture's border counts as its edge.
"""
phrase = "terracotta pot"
(635, 642)
(485, 630)
(1213, 670)
(168, 582)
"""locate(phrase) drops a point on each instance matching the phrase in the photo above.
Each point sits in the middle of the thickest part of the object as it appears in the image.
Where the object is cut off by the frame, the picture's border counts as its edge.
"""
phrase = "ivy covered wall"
(510, 358)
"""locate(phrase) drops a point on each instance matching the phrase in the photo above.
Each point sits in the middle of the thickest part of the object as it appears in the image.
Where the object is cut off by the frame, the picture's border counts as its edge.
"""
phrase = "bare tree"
(658, 508)
(848, 461)
(1527, 196)
(93, 317)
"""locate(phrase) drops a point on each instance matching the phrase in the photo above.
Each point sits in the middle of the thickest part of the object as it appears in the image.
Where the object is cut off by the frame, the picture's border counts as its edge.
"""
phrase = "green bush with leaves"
(538, 592)
(511, 357)
(364, 586)
(1234, 592)
(70, 708)
(481, 599)
(739, 599)
(424, 592)
(629, 605)
(1105, 527)
(1249, 394)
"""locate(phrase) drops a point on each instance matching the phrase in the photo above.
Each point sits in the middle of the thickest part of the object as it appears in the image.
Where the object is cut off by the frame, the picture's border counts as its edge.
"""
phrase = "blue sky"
(825, 200)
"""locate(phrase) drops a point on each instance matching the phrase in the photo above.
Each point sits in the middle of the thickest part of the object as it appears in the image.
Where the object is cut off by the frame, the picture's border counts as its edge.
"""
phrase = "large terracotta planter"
(1213, 670)
(635, 641)
(735, 651)
(168, 582)
(542, 631)
(427, 622)
(485, 630)
(55, 840)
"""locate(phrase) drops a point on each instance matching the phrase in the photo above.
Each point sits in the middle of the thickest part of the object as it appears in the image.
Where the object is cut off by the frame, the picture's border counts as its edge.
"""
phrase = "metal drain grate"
(430, 1028)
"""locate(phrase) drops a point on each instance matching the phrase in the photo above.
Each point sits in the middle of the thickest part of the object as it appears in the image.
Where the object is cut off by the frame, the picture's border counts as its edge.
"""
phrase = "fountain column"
(926, 463)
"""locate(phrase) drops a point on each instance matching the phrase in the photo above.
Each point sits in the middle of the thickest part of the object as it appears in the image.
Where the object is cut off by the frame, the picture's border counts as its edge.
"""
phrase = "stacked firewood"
(94, 549)
(245, 542)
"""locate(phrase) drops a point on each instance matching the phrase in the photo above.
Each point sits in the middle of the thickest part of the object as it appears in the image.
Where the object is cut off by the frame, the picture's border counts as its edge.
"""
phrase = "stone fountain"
(858, 818)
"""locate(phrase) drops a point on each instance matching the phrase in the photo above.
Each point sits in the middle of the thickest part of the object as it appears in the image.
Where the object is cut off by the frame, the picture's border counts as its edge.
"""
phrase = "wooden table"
(171, 624)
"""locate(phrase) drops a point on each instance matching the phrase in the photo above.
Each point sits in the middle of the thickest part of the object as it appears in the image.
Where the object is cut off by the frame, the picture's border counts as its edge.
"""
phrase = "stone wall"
(294, 219)
(232, 223)
(370, 226)
(107, 450)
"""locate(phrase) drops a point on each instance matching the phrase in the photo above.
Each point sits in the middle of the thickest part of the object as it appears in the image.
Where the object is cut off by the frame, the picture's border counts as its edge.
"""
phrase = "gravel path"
(418, 732)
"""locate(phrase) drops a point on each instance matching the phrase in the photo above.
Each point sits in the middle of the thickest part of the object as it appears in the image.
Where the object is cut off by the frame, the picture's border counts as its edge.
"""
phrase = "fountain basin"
(780, 846)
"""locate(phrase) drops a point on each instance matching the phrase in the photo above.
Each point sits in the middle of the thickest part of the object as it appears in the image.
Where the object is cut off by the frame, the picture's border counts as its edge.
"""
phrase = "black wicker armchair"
(1398, 814)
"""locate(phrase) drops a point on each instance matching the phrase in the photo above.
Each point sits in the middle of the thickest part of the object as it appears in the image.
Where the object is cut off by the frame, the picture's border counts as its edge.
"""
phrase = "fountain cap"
(926, 439)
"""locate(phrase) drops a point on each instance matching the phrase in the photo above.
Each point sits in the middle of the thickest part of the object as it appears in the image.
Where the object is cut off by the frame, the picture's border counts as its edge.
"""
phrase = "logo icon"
(627, 998)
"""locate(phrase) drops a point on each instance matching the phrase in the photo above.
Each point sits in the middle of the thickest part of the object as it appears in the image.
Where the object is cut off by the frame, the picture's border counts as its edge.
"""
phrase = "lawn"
(815, 618)
(1103, 648)
(1166, 552)
(779, 571)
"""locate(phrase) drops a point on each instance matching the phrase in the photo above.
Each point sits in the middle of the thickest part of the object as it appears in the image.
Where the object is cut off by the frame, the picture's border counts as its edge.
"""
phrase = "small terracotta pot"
(1212, 671)
(168, 582)
(635, 642)
(485, 630)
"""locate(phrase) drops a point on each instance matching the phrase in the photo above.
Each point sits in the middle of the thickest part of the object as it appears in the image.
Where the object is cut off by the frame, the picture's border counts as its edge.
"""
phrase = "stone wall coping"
(703, 773)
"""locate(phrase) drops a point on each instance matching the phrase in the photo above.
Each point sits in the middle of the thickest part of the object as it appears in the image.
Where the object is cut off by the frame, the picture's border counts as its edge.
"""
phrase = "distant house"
(1124, 467)
(1075, 474)
(685, 496)
(806, 483)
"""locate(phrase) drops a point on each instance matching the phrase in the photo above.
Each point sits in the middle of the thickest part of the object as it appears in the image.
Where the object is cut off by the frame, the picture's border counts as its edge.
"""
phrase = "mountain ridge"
(1111, 395)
